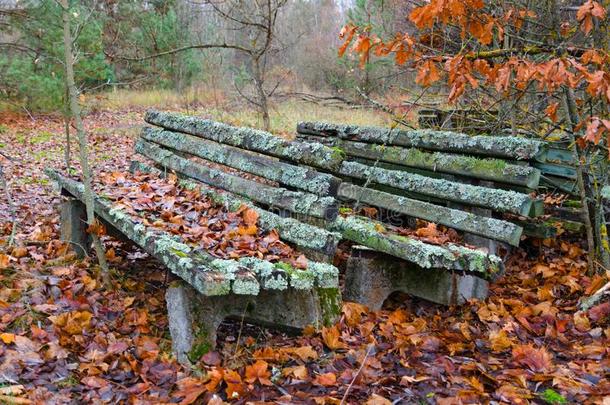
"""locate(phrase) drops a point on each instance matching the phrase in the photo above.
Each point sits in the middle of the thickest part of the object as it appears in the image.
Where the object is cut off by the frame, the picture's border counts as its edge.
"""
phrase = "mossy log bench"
(460, 181)
(306, 180)
(213, 289)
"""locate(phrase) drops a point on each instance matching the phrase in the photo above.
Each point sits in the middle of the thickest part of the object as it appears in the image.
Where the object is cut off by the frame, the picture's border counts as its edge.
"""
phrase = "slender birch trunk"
(82, 140)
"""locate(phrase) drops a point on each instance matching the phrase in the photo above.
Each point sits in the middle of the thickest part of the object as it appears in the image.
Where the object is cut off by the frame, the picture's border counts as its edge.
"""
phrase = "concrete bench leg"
(194, 318)
(371, 277)
(73, 226)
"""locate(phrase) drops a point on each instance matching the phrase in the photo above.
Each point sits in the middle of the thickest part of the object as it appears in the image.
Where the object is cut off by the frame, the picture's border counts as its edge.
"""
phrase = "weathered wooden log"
(181, 259)
(564, 171)
(371, 234)
(496, 170)
(290, 230)
(258, 141)
(498, 200)
(206, 273)
(294, 201)
(300, 177)
(444, 141)
(464, 221)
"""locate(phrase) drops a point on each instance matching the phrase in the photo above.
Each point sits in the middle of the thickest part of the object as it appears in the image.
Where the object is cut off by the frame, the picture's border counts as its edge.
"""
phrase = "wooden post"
(73, 226)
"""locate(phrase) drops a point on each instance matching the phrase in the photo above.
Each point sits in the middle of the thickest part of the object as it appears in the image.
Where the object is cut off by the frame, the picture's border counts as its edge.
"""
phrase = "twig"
(588, 302)
(368, 351)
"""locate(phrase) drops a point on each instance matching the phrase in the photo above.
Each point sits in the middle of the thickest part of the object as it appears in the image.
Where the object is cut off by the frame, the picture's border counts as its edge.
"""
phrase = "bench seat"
(261, 291)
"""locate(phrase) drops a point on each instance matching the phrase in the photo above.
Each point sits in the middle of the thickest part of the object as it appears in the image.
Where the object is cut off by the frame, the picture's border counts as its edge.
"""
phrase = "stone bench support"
(371, 277)
(194, 318)
(73, 226)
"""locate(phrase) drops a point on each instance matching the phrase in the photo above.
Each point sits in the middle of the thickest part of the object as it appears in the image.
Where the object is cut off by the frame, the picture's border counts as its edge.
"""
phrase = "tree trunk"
(82, 140)
(574, 119)
(260, 92)
(67, 151)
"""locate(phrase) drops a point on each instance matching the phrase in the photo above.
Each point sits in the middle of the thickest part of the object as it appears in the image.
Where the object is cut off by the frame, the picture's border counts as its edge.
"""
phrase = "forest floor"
(65, 339)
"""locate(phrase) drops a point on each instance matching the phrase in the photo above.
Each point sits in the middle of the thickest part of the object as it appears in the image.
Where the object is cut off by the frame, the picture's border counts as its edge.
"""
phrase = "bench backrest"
(275, 181)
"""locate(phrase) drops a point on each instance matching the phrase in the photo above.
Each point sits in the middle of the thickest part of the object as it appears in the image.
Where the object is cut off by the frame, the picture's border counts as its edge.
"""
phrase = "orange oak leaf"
(258, 371)
(235, 386)
(331, 337)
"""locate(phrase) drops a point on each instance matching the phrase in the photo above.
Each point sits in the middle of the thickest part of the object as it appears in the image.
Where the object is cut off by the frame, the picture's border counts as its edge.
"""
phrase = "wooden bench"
(477, 185)
(297, 188)
(300, 167)
(213, 289)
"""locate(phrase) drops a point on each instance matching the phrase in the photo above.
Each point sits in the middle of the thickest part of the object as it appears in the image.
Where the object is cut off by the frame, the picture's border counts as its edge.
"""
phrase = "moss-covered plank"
(498, 200)
(300, 177)
(568, 172)
(566, 185)
(444, 141)
(293, 201)
(497, 170)
(206, 273)
(464, 221)
(311, 154)
(452, 257)
(560, 155)
(289, 229)
(181, 259)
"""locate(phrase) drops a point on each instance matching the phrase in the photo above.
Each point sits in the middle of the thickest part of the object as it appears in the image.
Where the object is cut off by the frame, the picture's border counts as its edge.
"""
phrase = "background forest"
(302, 57)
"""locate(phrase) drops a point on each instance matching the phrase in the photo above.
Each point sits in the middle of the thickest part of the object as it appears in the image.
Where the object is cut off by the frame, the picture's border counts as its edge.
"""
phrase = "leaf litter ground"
(64, 339)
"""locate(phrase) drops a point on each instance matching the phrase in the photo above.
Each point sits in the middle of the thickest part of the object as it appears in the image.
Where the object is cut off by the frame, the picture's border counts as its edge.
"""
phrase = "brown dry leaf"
(258, 371)
(299, 372)
(235, 387)
(250, 216)
(377, 400)
(8, 338)
(72, 323)
(4, 261)
(249, 230)
(331, 337)
(189, 389)
(536, 359)
(19, 252)
(326, 380)
(499, 341)
(305, 353)
(581, 322)
(353, 312)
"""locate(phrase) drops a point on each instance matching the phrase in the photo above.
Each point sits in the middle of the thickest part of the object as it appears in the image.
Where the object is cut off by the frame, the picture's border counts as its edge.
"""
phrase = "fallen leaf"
(258, 371)
(331, 337)
(72, 323)
(326, 379)
(8, 338)
(377, 400)
(235, 387)
(536, 359)
(353, 312)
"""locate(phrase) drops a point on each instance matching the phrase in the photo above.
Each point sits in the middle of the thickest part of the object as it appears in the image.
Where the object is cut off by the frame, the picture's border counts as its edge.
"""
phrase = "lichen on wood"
(181, 259)
(493, 169)
(289, 229)
(207, 274)
(464, 221)
(294, 201)
(509, 147)
(311, 154)
(498, 200)
(453, 257)
(300, 177)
